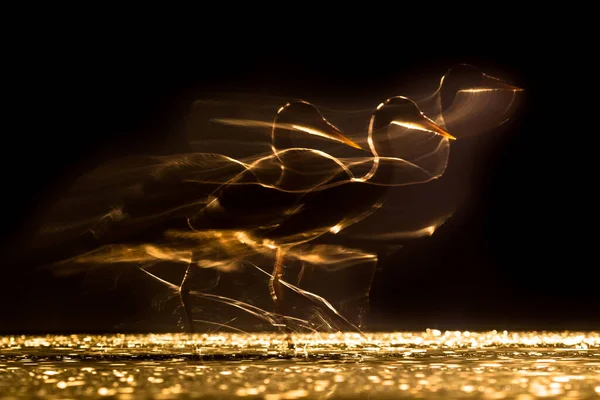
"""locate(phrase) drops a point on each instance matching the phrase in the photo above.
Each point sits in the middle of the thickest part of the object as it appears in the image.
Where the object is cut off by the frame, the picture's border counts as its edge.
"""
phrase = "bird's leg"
(184, 294)
(305, 271)
(275, 286)
(276, 290)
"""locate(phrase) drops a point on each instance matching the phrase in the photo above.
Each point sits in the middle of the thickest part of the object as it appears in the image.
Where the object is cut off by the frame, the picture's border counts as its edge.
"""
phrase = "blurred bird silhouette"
(314, 181)
(287, 219)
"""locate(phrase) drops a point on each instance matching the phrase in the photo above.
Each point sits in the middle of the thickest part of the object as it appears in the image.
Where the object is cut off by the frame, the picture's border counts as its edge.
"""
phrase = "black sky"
(511, 257)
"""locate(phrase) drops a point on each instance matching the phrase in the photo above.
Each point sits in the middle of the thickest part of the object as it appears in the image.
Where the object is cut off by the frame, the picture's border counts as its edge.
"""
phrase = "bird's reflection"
(248, 216)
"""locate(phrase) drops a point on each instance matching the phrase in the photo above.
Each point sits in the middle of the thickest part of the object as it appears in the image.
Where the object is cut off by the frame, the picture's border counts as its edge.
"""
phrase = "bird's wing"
(271, 191)
(133, 194)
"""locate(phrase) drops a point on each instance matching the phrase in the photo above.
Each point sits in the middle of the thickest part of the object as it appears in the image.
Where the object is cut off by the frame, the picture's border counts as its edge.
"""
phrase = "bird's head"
(402, 111)
(467, 78)
(472, 102)
(413, 146)
(298, 119)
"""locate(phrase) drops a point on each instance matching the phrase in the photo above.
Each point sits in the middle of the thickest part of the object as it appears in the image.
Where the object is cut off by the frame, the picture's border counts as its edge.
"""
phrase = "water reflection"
(431, 364)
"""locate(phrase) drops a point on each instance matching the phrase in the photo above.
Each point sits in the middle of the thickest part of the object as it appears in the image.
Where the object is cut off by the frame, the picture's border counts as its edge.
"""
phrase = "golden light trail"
(426, 127)
(479, 90)
(340, 138)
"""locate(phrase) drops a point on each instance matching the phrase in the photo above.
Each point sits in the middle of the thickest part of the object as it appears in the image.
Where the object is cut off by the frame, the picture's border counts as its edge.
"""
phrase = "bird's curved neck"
(378, 148)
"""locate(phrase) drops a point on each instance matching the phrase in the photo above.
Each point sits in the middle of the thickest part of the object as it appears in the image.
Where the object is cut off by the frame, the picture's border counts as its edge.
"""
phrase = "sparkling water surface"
(431, 364)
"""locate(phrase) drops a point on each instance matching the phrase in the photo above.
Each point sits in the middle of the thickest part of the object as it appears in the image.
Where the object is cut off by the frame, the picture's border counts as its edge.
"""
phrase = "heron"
(283, 198)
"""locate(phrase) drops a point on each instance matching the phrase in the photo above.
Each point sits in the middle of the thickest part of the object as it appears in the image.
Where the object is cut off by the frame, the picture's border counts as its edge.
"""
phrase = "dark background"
(516, 255)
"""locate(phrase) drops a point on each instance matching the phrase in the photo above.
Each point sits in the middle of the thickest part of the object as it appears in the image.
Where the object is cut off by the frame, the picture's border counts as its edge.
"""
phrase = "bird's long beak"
(489, 83)
(433, 127)
(425, 124)
(330, 132)
(337, 135)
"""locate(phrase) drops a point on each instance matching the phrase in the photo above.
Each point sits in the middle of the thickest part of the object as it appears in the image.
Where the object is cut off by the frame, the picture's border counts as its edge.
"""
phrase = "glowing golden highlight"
(338, 136)
(427, 126)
